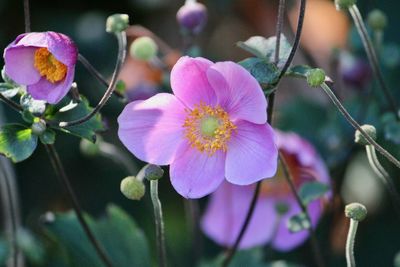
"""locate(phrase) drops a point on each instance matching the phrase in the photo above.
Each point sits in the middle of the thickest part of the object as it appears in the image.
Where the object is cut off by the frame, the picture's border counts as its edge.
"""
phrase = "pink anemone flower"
(44, 62)
(227, 209)
(214, 127)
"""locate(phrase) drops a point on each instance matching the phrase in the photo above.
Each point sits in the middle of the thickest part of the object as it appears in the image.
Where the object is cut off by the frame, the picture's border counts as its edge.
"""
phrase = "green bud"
(355, 211)
(315, 77)
(344, 4)
(143, 48)
(38, 126)
(377, 20)
(117, 23)
(153, 172)
(368, 129)
(88, 148)
(132, 188)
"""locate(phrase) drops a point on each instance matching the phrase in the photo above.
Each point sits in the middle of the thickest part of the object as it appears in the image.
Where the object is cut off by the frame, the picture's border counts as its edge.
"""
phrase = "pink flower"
(44, 62)
(226, 211)
(213, 128)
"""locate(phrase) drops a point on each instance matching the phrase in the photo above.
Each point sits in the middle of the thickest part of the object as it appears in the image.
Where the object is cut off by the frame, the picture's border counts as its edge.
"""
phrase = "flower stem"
(279, 25)
(61, 174)
(162, 255)
(120, 60)
(27, 16)
(350, 243)
(357, 126)
(372, 56)
(11, 103)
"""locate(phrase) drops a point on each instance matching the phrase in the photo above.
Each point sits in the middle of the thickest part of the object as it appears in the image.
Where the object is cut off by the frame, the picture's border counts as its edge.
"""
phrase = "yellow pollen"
(48, 66)
(208, 129)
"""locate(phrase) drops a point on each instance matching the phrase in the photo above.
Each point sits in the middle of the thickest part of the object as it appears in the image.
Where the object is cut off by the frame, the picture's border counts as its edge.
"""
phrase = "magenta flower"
(44, 62)
(213, 127)
(226, 211)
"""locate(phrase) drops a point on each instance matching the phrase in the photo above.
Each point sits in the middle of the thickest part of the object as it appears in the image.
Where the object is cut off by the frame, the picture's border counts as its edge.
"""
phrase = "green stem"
(158, 217)
(27, 16)
(279, 26)
(350, 243)
(11, 103)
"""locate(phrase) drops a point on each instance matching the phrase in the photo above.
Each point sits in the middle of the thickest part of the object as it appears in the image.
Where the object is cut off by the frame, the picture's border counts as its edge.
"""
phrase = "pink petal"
(195, 174)
(19, 65)
(252, 154)
(189, 81)
(52, 92)
(152, 129)
(226, 212)
(238, 92)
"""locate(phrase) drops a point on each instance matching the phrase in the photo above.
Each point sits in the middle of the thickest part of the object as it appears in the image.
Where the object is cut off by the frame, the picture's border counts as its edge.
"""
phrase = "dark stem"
(92, 70)
(120, 60)
(372, 56)
(279, 25)
(192, 212)
(314, 243)
(27, 16)
(11, 103)
(61, 174)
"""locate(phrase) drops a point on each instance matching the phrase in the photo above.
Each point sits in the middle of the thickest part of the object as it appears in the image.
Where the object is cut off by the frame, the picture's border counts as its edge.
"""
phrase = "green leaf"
(36, 107)
(4, 250)
(69, 111)
(9, 90)
(266, 74)
(123, 241)
(17, 142)
(298, 222)
(48, 137)
(310, 191)
(31, 247)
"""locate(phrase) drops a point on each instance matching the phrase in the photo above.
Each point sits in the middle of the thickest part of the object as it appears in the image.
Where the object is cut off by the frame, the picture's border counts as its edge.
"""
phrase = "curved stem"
(11, 103)
(372, 57)
(356, 126)
(158, 217)
(27, 16)
(61, 174)
(350, 243)
(120, 60)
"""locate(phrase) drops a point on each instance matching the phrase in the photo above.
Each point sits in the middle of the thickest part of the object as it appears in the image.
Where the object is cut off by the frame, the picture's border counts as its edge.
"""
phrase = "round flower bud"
(360, 139)
(153, 172)
(132, 188)
(356, 211)
(192, 17)
(315, 77)
(377, 20)
(344, 4)
(38, 126)
(143, 48)
(117, 23)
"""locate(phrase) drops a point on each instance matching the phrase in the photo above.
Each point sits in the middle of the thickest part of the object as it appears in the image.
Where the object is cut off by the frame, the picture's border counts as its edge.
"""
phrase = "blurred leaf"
(397, 260)
(310, 191)
(282, 263)
(36, 107)
(9, 90)
(124, 242)
(17, 142)
(27, 116)
(120, 86)
(3, 252)
(266, 74)
(248, 258)
(391, 128)
(298, 222)
(48, 137)
(31, 247)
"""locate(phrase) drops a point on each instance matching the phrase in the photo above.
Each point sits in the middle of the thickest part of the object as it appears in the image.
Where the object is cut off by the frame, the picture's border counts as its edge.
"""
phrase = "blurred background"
(329, 41)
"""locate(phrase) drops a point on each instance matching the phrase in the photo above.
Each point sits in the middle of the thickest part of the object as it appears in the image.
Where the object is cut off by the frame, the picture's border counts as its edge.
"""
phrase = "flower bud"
(344, 4)
(132, 188)
(38, 126)
(355, 211)
(192, 17)
(377, 20)
(143, 48)
(153, 172)
(315, 77)
(368, 129)
(117, 23)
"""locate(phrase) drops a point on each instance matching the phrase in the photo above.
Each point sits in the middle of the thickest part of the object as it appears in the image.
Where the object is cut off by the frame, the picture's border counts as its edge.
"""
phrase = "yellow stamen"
(208, 129)
(48, 66)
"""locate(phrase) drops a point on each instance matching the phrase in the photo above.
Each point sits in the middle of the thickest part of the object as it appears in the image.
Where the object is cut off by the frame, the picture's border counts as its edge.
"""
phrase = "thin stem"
(120, 60)
(356, 126)
(384, 176)
(372, 57)
(279, 25)
(61, 174)
(11, 103)
(351, 236)
(192, 212)
(96, 74)
(27, 16)
(158, 217)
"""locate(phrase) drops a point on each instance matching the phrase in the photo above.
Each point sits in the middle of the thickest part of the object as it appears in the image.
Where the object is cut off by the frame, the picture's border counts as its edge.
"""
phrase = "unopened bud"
(143, 48)
(132, 188)
(368, 129)
(377, 20)
(315, 77)
(344, 4)
(38, 126)
(192, 17)
(355, 211)
(153, 172)
(117, 23)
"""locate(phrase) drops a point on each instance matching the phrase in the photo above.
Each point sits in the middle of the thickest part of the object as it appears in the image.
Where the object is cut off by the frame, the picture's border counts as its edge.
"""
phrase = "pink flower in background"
(213, 128)
(228, 206)
(44, 62)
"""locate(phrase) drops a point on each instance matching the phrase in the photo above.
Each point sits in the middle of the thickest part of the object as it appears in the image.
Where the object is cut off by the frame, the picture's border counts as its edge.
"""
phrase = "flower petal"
(19, 65)
(227, 210)
(189, 81)
(238, 92)
(52, 92)
(196, 174)
(252, 154)
(152, 129)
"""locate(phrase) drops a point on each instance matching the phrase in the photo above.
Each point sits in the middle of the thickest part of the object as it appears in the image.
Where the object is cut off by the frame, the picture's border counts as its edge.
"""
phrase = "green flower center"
(208, 126)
